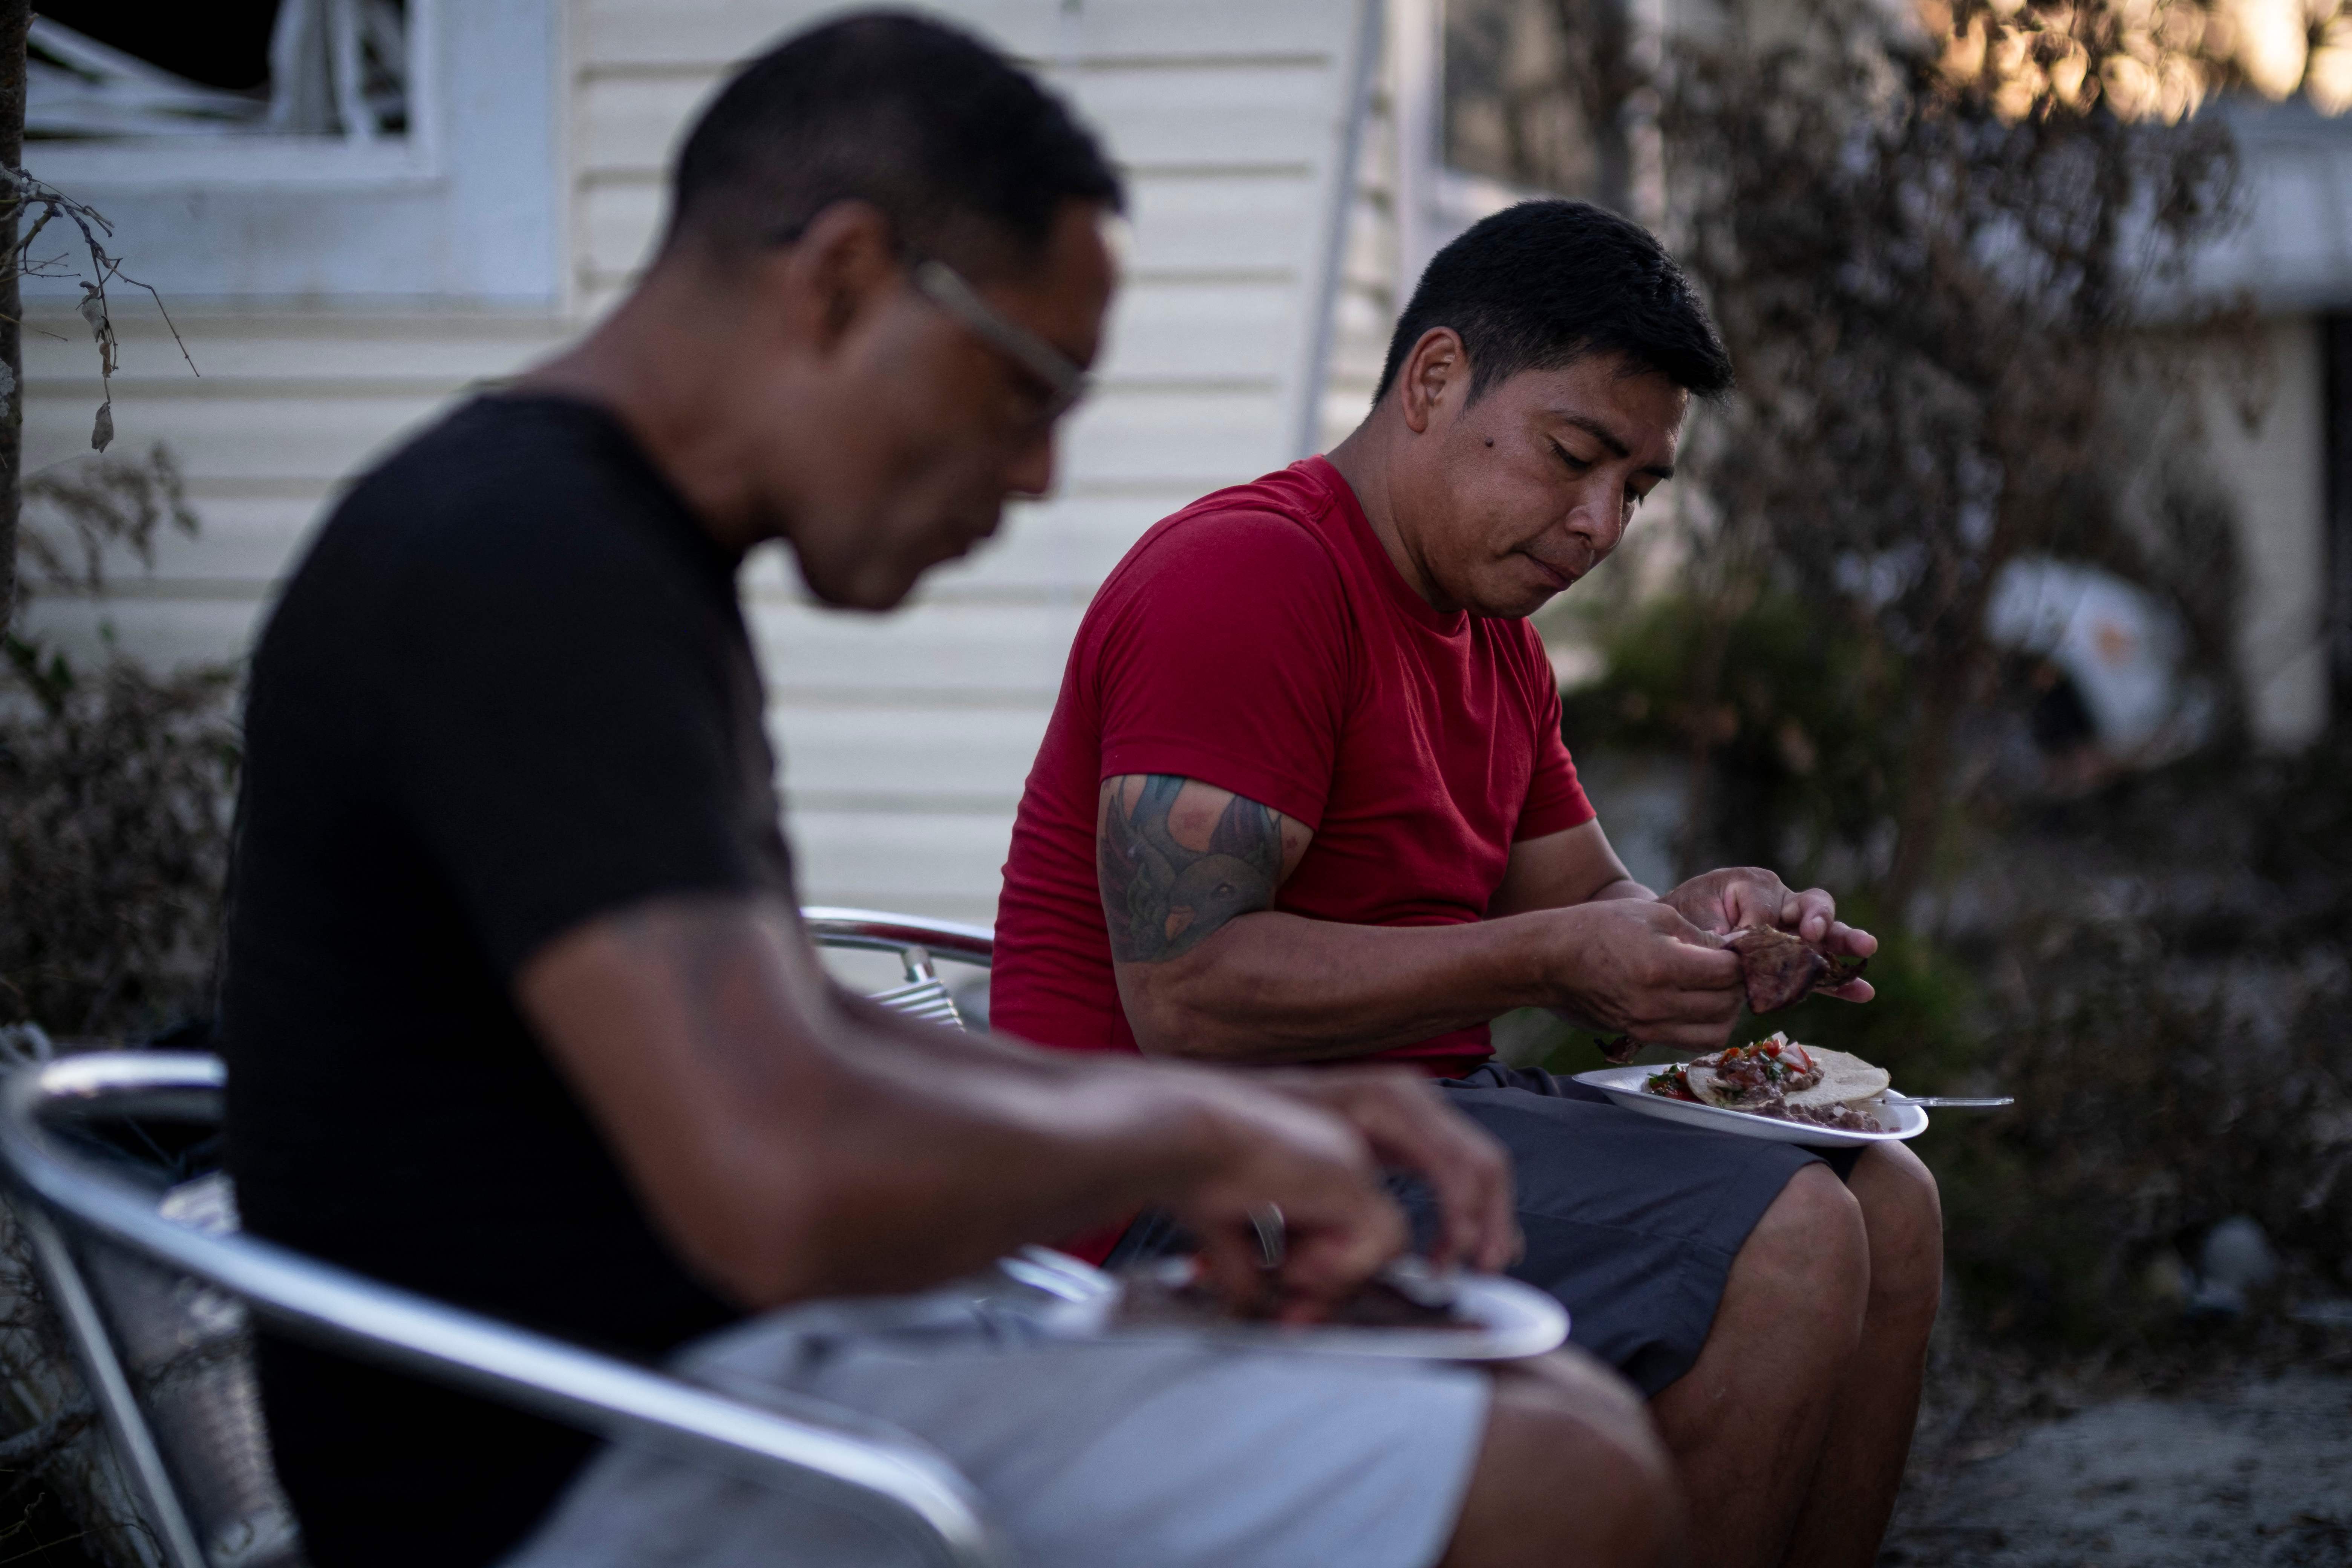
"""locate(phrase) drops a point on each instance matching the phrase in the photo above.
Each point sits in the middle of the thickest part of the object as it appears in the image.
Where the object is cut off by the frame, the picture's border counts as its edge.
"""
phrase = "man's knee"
(1903, 1216)
(1811, 1242)
(1792, 1309)
(1581, 1388)
(1570, 1471)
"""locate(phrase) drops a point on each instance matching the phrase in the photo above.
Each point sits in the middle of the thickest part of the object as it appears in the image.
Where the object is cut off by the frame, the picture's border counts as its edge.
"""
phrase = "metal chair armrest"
(885, 933)
(894, 1479)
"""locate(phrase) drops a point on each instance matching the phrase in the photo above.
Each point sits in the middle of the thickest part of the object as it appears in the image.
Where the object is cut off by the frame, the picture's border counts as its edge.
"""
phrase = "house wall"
(330, 298)
(291, 403)
(905, 739)
(2274, 472)
(1366, 302)
(2291, 260)
(464, 207)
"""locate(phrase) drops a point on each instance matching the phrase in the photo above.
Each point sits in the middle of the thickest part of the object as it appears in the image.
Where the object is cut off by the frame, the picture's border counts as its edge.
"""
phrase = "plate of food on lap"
(1410, 1310)
(1774, 1088)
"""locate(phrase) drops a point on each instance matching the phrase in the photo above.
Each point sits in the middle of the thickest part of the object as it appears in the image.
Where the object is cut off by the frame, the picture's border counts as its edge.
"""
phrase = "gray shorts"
(1630, 1222)
(1086, 1452)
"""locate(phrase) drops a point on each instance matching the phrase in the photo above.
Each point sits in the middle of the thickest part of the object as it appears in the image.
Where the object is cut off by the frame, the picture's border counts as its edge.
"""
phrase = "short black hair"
(962, 150)
(1542, 284)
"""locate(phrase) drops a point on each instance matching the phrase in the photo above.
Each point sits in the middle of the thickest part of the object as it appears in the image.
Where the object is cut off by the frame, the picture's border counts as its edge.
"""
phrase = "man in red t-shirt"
(1305, 799)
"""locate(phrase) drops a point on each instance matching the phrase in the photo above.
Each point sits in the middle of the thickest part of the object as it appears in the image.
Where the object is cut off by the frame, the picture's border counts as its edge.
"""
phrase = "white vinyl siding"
(290, 405)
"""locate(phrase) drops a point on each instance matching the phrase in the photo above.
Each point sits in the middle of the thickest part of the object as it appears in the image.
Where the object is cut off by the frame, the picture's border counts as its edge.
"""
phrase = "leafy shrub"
(1786, 710)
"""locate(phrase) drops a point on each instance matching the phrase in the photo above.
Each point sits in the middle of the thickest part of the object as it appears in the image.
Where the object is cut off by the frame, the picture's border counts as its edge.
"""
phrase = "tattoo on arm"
(1162, 900)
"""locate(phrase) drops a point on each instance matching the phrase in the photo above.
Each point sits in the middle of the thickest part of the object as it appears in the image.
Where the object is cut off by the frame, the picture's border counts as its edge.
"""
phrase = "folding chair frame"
(64, 1201)
(880, 932)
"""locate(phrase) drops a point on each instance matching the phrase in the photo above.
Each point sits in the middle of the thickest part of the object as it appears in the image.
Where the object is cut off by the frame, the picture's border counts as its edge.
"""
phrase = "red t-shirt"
(1261, 640)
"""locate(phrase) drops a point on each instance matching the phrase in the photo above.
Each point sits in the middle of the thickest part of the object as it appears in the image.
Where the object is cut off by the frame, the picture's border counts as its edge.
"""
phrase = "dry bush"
(2169, 995)
(118, 781)
(2150, 1108)
(1932, 306)
(114, 844)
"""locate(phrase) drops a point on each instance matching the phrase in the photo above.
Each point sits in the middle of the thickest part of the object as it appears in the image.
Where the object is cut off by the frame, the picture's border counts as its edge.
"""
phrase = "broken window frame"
(315, 126)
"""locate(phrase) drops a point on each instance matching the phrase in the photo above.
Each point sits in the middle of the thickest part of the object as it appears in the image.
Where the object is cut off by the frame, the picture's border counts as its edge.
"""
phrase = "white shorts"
(1087, 1453)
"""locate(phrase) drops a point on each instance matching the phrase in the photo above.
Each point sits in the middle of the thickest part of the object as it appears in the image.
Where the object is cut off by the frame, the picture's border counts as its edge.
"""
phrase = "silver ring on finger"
(1272, 1236)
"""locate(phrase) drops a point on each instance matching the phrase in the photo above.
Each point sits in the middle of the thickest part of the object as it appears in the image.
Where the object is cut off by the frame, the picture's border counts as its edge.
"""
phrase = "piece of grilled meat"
(1781, 968)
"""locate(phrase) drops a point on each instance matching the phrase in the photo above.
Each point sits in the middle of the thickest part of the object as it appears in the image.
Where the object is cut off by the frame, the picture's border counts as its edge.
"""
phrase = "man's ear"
(842, 266)
(1436, 374)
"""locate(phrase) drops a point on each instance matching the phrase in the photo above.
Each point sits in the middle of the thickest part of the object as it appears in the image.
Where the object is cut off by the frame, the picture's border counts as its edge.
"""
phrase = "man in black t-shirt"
(517, 1007)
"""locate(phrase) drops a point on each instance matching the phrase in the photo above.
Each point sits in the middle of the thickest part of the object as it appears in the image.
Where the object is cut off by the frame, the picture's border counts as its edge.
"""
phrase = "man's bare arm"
(1575, 865)
(1406, 1125)
(1208, 968)
(792, 1146)
(1179, 858)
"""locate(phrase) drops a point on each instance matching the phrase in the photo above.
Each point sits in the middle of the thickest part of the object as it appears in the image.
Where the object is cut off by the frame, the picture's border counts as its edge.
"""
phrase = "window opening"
(1506, 115)
(1554, 95)
(97, 69)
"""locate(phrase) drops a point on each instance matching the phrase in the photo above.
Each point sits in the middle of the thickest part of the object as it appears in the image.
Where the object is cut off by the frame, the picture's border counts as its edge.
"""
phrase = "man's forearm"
(932, 1040)
(792, 1143)
(943, 1153)
(1274, 988)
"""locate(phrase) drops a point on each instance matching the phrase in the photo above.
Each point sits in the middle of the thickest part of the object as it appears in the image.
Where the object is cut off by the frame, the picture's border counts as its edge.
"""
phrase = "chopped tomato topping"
(1670, 1083)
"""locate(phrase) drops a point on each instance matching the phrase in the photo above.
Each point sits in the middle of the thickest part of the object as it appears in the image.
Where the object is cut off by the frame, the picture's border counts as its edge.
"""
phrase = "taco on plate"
(1779, 1077)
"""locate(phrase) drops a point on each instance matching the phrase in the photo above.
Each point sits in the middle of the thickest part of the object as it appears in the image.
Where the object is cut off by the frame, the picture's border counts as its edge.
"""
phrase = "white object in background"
(2236, 1262)
(2119, 645)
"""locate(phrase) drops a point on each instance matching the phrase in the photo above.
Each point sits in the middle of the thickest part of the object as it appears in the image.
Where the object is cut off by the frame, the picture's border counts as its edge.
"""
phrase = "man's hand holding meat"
(1634, 967)
(1742, 896)
(1305, 800)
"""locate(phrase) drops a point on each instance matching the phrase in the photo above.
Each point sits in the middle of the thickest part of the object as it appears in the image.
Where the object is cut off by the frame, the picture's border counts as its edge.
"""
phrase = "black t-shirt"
(508, 690)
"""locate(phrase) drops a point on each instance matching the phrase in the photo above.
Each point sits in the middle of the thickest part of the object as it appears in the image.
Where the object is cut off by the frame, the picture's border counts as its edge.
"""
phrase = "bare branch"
(104, 269)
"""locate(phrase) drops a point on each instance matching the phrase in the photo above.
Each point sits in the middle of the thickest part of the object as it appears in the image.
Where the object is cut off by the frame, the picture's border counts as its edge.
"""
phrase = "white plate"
(1512, 1321)
(1623, 1085)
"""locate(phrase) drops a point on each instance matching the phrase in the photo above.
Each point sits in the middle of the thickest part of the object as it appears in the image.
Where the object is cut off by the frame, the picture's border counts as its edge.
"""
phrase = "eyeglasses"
(945, 287)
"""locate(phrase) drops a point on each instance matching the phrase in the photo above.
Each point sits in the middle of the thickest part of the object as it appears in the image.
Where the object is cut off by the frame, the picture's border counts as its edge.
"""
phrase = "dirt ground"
(2242, 1460)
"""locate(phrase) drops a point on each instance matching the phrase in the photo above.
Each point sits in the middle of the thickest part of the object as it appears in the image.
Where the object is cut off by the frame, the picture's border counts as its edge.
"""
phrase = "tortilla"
(1710, 1090)
(1845, 1079)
